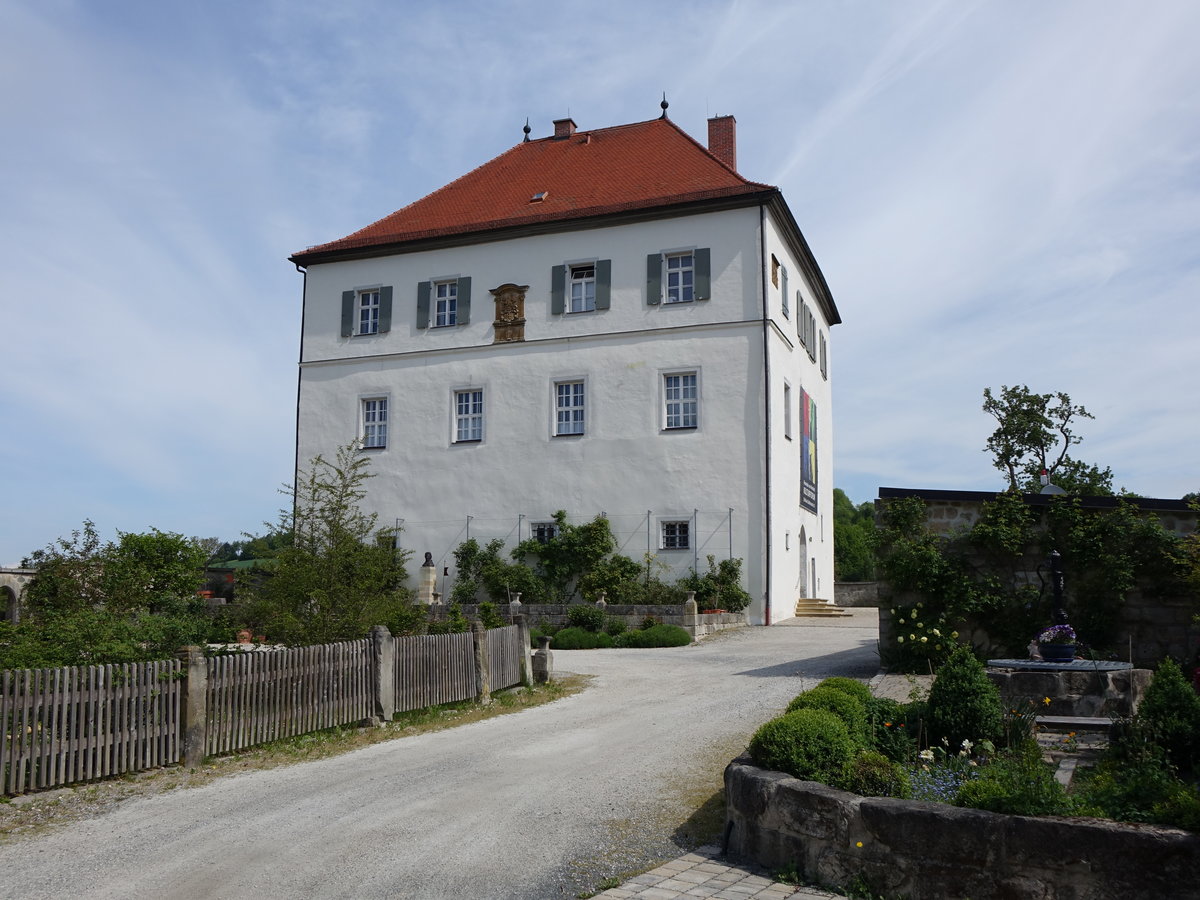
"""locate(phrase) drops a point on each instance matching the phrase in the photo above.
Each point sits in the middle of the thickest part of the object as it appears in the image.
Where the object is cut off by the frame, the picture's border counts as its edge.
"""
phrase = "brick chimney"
(722, 139)
(564, 128)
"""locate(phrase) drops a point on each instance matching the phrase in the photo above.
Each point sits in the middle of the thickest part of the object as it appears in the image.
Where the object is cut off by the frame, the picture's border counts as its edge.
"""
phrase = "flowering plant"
(1058, 634)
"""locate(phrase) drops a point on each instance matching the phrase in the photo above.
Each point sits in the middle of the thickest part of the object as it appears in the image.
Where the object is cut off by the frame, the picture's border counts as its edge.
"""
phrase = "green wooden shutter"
(558, 290)
(702, 275)
(464, 300)
(603, 283)
(423, 304)
(347, 313)
(385, 308)
(654, 279)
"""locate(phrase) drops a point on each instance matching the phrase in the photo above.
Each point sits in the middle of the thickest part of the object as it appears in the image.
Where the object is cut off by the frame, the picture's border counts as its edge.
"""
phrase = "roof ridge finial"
(526, 129)
(664, 105)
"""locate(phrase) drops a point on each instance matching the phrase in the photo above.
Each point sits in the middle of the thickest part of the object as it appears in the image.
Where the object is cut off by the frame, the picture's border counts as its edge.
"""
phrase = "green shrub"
(1180, 809)
(811, 744)
(655, 636)
(842, 705)
(1132, 778)
(1171, 709)
(454, 623)
(489, 615)
(963, 703)
(891, 731)
(586, 616)
(1018, 784)
(872, 774)
(850, 686)
(580, 639)
(614, 625)
(718, 588)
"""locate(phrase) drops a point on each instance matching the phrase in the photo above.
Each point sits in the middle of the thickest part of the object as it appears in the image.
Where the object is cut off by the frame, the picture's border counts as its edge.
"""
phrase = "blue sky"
(997, 192)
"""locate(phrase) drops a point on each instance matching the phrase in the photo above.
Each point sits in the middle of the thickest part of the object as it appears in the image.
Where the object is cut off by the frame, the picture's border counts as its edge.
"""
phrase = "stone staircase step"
(811, 607)
(1063, 724)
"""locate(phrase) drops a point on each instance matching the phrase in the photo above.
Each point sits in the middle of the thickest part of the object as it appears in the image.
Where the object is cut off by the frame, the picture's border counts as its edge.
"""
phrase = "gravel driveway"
(538, 804)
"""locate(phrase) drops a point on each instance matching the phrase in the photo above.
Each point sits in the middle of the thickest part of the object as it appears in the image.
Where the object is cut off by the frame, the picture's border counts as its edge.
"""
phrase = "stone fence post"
(483, 678)
(383, 668)
(526, 650)
(192, 714)
(543, 661)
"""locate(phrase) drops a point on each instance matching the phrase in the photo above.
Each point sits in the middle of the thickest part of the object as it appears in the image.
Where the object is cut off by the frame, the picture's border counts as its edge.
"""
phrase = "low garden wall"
(696, 624)
(856, 593)
(928, 851)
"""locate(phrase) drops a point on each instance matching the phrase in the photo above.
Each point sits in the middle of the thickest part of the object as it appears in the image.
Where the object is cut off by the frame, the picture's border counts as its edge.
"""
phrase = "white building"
(599, 321)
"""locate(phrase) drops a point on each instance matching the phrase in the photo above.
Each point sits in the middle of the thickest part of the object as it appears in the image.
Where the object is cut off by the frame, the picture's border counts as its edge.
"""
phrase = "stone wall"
(1150, 627)
(856, 593)
(696, 624)
(928, 851)
(1073, 692)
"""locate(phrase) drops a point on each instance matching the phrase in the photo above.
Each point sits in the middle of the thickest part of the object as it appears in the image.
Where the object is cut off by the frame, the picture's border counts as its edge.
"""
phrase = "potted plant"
(1057, 643)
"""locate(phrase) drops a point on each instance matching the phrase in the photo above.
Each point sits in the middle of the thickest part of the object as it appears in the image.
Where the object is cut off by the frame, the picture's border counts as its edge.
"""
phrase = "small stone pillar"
(192, 712)
(691, 621)
(543, 662)
(427, 581)
(601, 601)
(483, 676)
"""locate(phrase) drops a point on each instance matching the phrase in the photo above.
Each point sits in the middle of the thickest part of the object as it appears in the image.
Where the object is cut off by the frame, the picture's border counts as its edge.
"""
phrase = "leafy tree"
(336, 574)
(1035, 433)
(573, 552)
(95, 601)
(853, 539)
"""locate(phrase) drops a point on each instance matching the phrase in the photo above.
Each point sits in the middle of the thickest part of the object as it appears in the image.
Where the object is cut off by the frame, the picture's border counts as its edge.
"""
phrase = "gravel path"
(539, 804)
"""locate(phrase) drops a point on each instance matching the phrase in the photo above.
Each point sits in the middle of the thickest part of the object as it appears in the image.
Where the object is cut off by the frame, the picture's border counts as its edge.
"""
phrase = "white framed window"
(681, 273)
(374, 423)
(468, 415)
(681, 400)
(582, 288)
(675, 534)
(367, 312)
(569, 407)
(543, 532)
(445, 295)
(784, 292)
(787, 410)
(824, 359)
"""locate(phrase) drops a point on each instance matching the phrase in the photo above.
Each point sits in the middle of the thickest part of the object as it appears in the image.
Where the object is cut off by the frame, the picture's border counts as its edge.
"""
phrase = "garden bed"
(929, 850)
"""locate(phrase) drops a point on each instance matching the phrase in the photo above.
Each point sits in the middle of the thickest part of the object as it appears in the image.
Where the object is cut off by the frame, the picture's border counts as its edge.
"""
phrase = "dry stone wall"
(928, 851)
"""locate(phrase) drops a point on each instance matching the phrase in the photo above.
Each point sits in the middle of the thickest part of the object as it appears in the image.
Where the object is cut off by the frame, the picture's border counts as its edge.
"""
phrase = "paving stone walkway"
(704, 873)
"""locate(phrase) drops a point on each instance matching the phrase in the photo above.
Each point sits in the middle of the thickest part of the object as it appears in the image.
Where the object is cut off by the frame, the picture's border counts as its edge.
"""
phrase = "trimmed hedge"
(655, 636)
(842, 705)
(854, 688)
(810, 744)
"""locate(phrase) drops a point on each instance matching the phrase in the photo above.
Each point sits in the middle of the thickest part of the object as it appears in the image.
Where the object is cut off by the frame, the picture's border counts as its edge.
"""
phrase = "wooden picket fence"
(255, 698)
(62, 726)
(85, 722)
(433, 669)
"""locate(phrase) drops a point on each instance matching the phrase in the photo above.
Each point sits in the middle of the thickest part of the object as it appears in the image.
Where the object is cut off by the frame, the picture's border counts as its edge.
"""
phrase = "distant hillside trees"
(853, 539)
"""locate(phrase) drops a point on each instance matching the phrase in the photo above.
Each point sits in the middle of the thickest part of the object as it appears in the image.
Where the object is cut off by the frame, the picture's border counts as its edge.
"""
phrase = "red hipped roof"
(641, 166)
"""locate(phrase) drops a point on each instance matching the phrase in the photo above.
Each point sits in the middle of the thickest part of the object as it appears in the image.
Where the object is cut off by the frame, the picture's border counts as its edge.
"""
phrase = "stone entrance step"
(1077, 724)
(812, 607)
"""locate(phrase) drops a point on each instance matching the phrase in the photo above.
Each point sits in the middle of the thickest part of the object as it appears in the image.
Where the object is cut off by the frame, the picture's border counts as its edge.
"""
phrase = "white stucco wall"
(626, 465)
(801, 540)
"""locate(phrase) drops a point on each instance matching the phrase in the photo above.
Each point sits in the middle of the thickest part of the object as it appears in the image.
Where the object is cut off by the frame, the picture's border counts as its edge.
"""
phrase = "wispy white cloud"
(998, 192)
